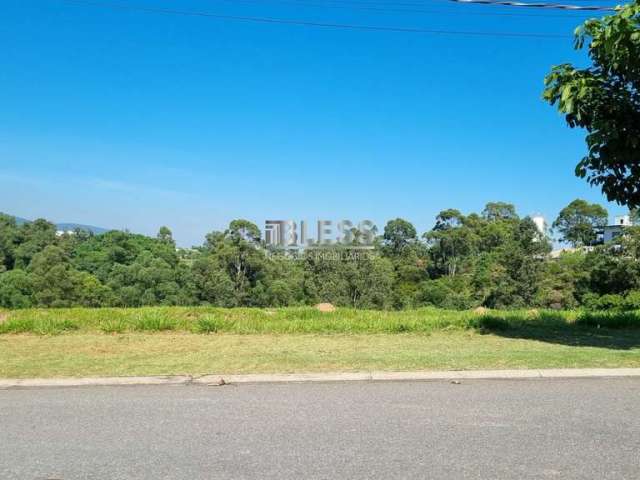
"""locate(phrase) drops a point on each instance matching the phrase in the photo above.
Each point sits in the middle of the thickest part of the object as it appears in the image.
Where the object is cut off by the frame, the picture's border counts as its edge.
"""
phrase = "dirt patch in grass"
(325, 307)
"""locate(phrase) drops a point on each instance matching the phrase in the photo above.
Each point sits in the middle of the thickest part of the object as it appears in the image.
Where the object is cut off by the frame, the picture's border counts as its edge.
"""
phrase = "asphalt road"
(582, 429)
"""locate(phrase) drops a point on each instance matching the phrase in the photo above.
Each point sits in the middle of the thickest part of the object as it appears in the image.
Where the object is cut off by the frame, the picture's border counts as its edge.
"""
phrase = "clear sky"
(126, 118)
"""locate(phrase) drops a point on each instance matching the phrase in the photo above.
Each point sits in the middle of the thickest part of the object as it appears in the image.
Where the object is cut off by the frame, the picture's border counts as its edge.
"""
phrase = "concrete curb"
(94, 382)
(216, 380)
(420, 376)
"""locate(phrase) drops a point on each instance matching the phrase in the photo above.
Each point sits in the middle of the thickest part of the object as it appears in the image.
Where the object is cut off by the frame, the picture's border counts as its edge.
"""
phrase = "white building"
(611, 232)
(541, 223)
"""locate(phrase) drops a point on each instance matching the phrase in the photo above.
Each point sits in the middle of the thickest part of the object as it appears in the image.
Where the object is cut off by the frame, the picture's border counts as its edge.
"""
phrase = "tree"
(56, 284)
(16, 289)
(409, 258)
(33, 237)
(508, 267)
(282, 283)
(448, 219)
(563, 282)
(213, 284)
(450, 242)
(165, 236)
(495, 259)
(244, 229)
(494, 211)
(237, 253)
(324, 278)
(8, 241)
(348, 277)
(371, 282)
(615, 269)
(579, 221)
(398, 234)
(151, 280)
(521, 267)
(604, 99)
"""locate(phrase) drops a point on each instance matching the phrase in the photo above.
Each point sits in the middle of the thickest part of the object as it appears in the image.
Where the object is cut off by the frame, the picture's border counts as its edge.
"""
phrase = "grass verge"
(177, 340)
(94, 354)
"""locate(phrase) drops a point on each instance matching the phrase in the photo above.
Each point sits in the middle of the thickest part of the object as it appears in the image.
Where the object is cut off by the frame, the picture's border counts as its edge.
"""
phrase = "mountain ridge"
(66, 226)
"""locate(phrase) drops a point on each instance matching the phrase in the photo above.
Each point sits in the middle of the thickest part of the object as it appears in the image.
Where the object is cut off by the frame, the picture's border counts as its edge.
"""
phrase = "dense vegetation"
(494, 259)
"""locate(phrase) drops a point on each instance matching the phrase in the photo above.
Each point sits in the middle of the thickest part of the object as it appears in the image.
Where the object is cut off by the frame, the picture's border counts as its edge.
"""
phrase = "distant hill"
(73, 226)
(64, 226)
(20, 221)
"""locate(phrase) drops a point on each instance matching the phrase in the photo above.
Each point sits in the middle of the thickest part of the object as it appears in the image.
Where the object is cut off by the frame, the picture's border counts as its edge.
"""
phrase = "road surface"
(564, 429)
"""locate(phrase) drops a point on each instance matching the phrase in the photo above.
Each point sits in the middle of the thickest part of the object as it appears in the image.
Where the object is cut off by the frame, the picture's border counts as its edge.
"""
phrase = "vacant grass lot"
(240, 320)
(295, 320)
(174, 340)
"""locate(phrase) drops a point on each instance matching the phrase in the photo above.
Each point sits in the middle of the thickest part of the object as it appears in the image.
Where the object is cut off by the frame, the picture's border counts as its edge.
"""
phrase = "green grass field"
(177, 340)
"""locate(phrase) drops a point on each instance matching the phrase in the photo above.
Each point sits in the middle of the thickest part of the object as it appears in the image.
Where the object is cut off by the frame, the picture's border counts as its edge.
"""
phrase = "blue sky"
(131, 119)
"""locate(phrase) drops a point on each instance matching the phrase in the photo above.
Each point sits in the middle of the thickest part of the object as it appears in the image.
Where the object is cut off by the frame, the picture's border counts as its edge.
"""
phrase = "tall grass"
(39, 325)
(615, 319)
(209, 324)
(210, 320)
(153, 321)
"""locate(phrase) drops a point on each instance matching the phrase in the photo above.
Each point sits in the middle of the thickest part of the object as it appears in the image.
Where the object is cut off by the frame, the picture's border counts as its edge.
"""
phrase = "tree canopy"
(579, 222)
(493, 259)
(604, 99)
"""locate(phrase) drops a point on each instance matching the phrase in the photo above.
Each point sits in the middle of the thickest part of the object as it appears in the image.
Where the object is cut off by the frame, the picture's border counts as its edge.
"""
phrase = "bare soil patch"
(325, 307)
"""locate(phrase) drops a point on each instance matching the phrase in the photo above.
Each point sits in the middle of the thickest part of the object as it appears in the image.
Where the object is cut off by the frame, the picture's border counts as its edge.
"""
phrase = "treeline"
(494, 259)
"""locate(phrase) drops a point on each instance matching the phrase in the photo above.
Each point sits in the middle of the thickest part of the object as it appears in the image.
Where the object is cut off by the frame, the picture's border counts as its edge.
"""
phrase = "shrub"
(632, 300)
(592, 301)
(113, 326)
(155, 321)
(208, 324)
(447, 293)
(610, 302)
